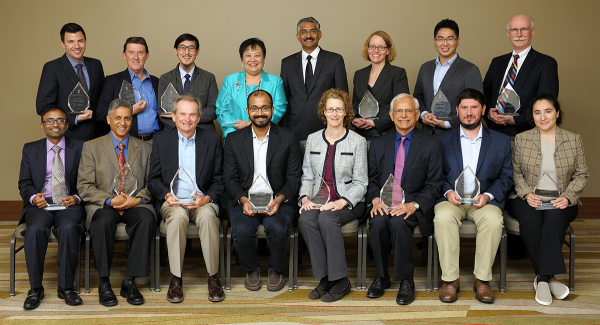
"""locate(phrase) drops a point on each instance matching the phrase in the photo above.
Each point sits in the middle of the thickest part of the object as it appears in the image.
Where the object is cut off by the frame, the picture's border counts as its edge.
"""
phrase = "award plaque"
(231, 111)
(440, 106)
(391, 194)
(260, 194)
(128, 93)
(368, 107)
(467, 186)
(78, 100)
(318, 193)
(547, 190)
(55, 206)
(129, 181)
(182, 186)
(511, 103)
(166, 100)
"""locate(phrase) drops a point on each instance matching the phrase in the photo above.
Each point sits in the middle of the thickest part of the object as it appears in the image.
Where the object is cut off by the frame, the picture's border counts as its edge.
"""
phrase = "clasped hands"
(330, 206)
(272, 208)
(363, 123)
(432, 121)
(124, 201)
(40, 202)
(453, 198)
(534, 201)
(500, 119)
(200, 201)
(378, 208)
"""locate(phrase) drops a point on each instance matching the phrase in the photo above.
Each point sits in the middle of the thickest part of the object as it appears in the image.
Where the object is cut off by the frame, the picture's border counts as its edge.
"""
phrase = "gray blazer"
(349, 165)
(461, 75)
(203, 86)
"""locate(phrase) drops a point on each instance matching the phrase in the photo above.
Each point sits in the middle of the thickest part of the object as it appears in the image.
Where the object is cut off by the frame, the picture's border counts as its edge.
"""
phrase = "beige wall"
(566, 30)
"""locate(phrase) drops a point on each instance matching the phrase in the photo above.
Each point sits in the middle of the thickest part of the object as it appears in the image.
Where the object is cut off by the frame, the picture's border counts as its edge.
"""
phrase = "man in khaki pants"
(488, 154)
(196, 156)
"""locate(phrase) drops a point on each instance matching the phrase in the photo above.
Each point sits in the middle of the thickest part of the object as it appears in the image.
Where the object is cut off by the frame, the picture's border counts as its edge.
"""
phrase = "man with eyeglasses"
(263, 158)
(449, 73)
(145, 120)
(306, 76)
(189, 79)
(524, 70)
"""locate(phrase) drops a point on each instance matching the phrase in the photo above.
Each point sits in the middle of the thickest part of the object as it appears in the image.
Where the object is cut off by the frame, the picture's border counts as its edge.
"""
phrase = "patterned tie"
(396, 189)
(186, 85)
(308, 74)
(509, 79)
(121, 158)
(58, 177)
(81, 77)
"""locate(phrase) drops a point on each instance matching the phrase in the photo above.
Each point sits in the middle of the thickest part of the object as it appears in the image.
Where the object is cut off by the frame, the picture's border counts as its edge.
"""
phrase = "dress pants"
(385, 229)
(177, 220)
(141, 228)
(543, 233)
(489, 221)
(67, 229)
(323, 236)
(277, 229)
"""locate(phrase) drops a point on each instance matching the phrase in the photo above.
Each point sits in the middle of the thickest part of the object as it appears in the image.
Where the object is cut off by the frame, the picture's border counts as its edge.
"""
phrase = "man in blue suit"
(488, 154)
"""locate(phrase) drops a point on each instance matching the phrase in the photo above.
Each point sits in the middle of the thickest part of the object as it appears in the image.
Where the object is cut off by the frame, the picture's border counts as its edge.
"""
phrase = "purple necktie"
(396, 189)
(81, 77)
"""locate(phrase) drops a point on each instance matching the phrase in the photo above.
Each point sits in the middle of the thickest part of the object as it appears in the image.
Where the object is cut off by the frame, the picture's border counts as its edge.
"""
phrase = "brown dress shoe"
(215, 290)
(253, 282)
(175, 293)
(450, 290)
(275, 280)
(483, 292)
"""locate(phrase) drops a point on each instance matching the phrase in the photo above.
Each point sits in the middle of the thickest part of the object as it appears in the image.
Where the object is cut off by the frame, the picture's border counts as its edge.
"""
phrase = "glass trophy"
(78, 100)
(55, 206)
(467, 186)
(128, 179)
(182, 187)
(166, 100)
(440, 106)
(368, 107)
(512, 102)
(391, 194)
(129, 92)
(547, 190)
(318, 193)
(260, 194)
(230, 110)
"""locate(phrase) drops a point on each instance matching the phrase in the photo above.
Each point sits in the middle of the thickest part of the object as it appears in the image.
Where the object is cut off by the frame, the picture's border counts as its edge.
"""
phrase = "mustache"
(260, 116)
(522, 38)
(309, 39)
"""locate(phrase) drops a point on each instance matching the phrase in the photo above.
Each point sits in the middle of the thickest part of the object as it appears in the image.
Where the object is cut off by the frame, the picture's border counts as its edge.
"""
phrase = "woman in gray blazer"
(339, 157)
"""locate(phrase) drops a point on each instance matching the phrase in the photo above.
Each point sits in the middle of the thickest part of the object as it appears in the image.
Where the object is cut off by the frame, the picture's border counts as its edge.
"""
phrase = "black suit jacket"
(301, 115)
(422, 176)
(538, 75)
(164, 162)
(56, 84)
(32, 175)
(110, 91)
(284, 163)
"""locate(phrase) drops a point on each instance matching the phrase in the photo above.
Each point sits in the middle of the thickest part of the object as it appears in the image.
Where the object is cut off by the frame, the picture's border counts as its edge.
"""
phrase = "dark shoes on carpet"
(275, 281)
(215, 289)
(334, 295)
(106, 296)
(70, 296)
(253, 282)
(175, 293)
(483, 292)
(450, 290)
(34, 296)
(377, 288)
(130, 291)
(406, 293)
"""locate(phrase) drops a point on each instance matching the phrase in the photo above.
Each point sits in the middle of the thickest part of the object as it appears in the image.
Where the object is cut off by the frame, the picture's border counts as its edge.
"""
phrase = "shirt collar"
(408, 135)
(314, 53)
(254, 136)
(448, 63)
(522, 53)
(116, 142)
(50, 145)
(184, 139)
(462, 133)
(133, 75)
(182, 72)
(74, 63)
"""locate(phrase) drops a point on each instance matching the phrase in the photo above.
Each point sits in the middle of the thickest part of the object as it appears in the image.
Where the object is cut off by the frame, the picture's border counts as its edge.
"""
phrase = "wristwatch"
(416, 205)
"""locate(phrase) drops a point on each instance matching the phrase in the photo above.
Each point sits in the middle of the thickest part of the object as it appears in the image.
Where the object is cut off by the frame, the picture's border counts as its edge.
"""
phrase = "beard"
(472, 126)
(263, 124)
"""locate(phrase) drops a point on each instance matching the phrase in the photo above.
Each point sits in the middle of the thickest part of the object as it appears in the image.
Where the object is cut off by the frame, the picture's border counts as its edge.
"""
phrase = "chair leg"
(152, 268)
(12, 265)
(296, 255)
(78, 273)
(292, 265)
(87, 262)
(157, 261)
(429, 261)
(364, 257)
(571, 259)
(222, 248)
(435, 264)
(228, 262)
(503, 261)
(359, 236)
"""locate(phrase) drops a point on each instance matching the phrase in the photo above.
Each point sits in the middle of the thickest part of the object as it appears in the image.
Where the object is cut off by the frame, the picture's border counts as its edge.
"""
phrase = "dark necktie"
(508, 80)
(399, 168)
(59, 191)
(308, 76)
(81, 77)
(186, 85)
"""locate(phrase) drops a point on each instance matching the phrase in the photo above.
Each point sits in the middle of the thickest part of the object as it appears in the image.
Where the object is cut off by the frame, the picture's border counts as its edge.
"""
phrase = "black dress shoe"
(318, 292)
(34, 296)
(70, 297)
(331, 296)
(130, 291)
(406, 294)
(377, 288)
(106, 296)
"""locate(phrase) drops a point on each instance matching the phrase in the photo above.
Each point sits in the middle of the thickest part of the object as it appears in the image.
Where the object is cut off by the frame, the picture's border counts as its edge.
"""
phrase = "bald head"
(520, 30)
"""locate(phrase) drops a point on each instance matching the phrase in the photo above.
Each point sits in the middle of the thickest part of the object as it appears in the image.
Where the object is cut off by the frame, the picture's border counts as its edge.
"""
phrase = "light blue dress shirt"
(182, 74)
(85, 72)
(148, 119)
(187, 160)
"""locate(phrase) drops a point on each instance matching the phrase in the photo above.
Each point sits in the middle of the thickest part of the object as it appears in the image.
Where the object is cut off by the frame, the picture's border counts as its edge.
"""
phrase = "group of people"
(265, 120)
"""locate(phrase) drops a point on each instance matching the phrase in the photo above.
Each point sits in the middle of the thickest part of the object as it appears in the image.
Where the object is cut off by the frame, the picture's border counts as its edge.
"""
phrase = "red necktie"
(121, 157)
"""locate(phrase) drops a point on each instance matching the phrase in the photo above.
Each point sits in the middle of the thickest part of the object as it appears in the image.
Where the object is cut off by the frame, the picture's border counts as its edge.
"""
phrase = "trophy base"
(546, 206)
(371, 118)
(443, 118)
(185, 201)
(260, 209)
(509, 114)
(166, 113)
(468, 201)
(76, 113)
(55, 207)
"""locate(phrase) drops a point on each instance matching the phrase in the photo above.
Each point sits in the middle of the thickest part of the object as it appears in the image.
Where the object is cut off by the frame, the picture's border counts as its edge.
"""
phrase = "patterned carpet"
(515, 306)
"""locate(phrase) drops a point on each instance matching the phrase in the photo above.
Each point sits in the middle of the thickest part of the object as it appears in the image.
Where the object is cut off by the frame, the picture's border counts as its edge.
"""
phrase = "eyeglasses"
(522, 30)
(141, 53)
(402, 111)
(337, 110)
(191, 48)
(305, 32)
(50, 121)
(380, 48)
(443, 40)
(255, 109)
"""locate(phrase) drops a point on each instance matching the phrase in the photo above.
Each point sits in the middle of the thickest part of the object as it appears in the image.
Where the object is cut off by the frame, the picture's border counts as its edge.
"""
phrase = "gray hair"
(116, 103)
(530, 25)
(188, 98)
(399, 97)
(307, 20)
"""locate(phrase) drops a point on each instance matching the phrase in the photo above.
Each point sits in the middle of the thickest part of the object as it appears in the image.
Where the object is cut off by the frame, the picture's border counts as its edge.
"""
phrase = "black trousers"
(543, 233)
(141, 228)
(67, 229)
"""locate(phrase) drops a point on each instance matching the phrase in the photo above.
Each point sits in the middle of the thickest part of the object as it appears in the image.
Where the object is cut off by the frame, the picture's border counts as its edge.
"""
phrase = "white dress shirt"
(313, 61)
(520, 61)
(260, 161)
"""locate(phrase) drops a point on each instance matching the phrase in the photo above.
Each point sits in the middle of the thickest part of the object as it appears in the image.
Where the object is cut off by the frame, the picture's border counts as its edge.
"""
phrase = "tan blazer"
(99, 166)
(569, 157)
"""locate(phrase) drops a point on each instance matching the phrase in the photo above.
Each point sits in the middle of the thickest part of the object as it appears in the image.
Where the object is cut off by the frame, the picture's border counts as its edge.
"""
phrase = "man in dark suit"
(146, 110)
(414, 158)
(43, 162)
(536, 73)
(263, 158)
(449, 73)
(306, 76)
(197, 155)
(488, 155)
(60, 76)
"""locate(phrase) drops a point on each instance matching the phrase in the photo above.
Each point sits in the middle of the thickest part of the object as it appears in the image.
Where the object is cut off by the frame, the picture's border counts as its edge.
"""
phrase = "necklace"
(246, 84)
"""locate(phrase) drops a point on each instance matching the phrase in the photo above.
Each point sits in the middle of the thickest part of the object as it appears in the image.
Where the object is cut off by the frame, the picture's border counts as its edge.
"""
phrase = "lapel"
(451, 70)
(201, 149)
(457, 148)
(559, 138)
(528, 66)
(363, 81)
(132, 151)
(428, 73)
(388, 154)
(273, 141)
(382, 78)
(195, 77)
(91, 69)
(298, 67)
(69, 158)
(173, 150)
(503, 63)
(178, 85)
(320, 63)
(486, 140)
(109, 151)
(42, 156)
(264, 81)
(415, 144)
(249, 149)
(69, 71)
(535, 139)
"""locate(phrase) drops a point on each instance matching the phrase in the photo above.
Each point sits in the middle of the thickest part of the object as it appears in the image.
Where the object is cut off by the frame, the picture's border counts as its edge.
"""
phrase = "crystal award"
(128, 93)
(466, 186)
(78, 101)
(260, 194)
(166, 100)
(182, 187)
(318, 193)
(230, 111)
(368, 107)
(55, 206)
(440, 106)
(547, 190)
(391, 194)
(125, 182)
(511, 102)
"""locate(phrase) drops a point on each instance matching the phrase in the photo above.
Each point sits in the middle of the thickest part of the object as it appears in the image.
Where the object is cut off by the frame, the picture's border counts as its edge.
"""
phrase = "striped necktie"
(509, 79)
(59, 191)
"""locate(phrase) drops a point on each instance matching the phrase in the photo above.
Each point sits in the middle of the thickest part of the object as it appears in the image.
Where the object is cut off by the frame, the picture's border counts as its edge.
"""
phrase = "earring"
(264, 65)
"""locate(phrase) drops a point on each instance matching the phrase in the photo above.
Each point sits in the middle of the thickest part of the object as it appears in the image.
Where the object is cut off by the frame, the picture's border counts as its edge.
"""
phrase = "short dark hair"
(51, 109)
(135, 40)
(186, 37)
(71, 28)
(257, 93)
(553, 101)
(252, 43)
(470, 93)
(446, 23)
